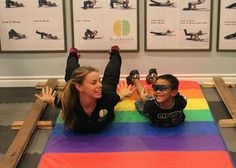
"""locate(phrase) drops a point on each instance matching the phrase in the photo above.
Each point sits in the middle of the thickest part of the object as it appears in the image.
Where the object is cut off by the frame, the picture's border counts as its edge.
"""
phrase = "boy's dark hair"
(174, 82)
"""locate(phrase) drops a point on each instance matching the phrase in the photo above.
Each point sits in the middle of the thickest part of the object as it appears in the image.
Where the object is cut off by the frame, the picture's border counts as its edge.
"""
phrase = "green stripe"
(120, 117)
(130, 116)
(59, 119)
(198, 115)
(191, 115)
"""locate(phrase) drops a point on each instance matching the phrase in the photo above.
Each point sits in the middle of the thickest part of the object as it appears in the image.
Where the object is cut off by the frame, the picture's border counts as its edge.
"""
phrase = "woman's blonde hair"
(69, 96)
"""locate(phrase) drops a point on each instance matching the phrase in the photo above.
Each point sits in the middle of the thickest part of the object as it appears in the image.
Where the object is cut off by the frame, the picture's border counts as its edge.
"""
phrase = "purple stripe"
(134, 143)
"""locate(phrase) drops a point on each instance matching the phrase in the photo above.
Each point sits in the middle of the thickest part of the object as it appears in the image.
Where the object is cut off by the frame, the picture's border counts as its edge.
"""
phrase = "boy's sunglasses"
(160, 87)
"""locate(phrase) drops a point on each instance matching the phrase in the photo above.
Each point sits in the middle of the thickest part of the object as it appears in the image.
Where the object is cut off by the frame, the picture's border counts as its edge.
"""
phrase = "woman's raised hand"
(124, 90)
(47, 96)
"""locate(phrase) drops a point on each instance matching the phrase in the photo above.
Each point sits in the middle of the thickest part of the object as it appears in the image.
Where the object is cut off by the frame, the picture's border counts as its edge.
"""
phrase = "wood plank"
(208, 84)
(227, 123)
(226, 95)
(212, 84)
(18, 145)
(40, 124)
(60, 85)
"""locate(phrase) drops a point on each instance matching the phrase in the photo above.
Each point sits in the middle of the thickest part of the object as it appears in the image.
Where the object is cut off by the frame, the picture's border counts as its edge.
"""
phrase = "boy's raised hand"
(144, 94)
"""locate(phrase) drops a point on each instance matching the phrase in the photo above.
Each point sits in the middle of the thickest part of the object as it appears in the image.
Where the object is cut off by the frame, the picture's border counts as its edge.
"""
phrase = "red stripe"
(187, 159)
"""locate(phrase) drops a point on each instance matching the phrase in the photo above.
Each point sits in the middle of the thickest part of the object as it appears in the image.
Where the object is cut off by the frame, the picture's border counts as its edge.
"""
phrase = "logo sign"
(121, 28)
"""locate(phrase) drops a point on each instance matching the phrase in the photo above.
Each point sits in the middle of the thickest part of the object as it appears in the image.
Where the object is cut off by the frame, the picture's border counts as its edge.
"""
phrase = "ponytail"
(70, 94)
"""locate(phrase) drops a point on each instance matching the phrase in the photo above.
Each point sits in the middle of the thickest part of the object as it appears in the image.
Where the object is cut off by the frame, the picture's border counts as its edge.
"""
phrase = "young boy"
(165, 107)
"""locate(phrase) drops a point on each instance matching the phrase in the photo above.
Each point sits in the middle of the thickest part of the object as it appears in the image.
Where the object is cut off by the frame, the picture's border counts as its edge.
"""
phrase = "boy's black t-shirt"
(165, 117)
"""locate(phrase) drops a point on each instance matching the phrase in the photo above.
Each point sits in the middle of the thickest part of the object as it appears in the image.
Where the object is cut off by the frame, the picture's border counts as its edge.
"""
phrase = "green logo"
(121, 28)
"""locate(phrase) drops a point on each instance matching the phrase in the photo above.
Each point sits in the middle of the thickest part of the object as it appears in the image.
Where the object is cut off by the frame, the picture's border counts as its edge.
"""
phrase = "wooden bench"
(229, 101)
(40, 124)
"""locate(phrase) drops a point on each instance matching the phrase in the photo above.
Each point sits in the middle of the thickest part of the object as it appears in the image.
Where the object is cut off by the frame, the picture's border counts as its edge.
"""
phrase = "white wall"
(25, 69)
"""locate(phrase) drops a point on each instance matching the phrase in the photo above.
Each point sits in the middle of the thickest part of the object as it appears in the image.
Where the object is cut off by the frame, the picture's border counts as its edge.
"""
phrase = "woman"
(87, 103)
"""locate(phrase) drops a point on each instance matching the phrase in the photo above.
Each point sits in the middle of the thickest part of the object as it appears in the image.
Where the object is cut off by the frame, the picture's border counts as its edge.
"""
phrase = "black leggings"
(111, 74)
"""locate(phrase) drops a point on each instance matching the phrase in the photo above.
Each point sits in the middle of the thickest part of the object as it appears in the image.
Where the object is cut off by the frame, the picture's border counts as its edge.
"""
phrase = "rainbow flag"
(132, 142)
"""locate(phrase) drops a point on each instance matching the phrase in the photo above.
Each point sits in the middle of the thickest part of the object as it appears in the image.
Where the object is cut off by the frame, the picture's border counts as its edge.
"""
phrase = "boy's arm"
(181, 100)
(144, 95)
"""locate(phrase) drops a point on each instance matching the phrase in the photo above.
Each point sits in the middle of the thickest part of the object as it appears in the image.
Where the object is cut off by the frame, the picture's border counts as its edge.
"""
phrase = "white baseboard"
(31, 81)
(203, 78)
(25, 81)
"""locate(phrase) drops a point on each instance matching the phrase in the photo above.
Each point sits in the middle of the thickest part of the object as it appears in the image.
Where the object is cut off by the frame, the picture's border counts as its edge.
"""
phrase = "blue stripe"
(145, 129)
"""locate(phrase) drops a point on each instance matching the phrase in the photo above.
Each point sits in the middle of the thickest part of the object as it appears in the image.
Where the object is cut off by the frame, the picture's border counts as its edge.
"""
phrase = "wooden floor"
(15, 104)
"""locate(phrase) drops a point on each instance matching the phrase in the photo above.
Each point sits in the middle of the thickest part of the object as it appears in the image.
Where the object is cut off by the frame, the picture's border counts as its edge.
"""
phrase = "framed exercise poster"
(227, 26)
(98, 25)
(32, 26)
(178, 25)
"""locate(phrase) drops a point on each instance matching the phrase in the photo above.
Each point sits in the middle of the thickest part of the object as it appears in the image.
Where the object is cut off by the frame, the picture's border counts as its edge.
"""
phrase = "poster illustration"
(227, 26)
(97, 25)
(178, 25)
(32, 26)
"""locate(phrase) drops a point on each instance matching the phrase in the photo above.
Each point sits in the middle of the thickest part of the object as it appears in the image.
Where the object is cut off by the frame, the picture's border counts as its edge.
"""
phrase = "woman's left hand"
(124, 90)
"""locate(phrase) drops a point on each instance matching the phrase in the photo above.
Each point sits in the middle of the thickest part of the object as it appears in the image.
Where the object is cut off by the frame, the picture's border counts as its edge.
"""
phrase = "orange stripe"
(188, 93)
(189, 85)
(182, 84)
(191, 93)
(189, 89)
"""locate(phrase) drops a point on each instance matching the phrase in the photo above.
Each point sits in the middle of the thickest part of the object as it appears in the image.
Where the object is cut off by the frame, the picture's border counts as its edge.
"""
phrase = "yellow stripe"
(197, 104)
(192, 104)
(126, 105)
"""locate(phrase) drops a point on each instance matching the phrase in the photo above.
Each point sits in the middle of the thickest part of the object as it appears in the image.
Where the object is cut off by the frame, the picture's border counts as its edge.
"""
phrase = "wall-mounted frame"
(32, 26)
(178, 25)
(227, 26)
(98, 25)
